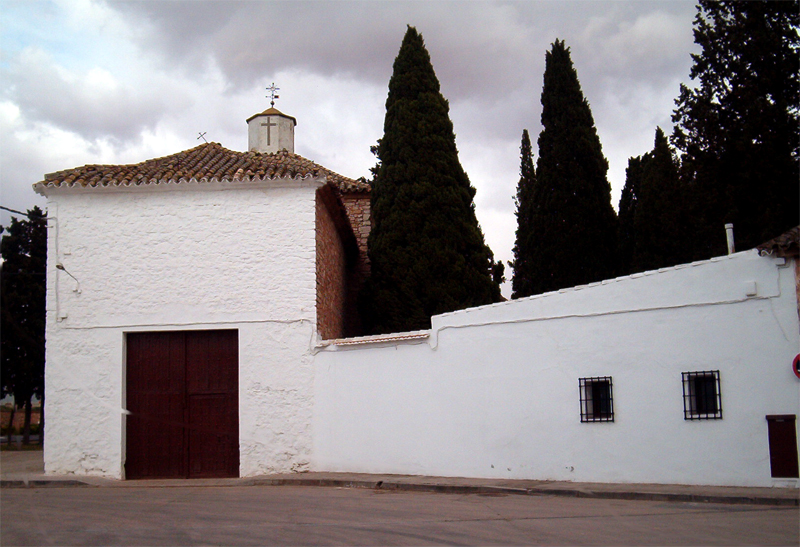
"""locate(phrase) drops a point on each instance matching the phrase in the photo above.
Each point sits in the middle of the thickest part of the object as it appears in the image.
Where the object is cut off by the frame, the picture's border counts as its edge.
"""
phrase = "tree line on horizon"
(733, 157)
(22, 315)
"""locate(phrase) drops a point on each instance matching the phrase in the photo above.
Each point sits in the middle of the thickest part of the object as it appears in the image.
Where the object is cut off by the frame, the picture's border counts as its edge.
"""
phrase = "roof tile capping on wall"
(786, 245)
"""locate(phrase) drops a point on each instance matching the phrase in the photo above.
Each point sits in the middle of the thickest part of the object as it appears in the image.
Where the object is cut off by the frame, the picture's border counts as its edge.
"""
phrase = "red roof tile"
(205, 163)
(786, 245)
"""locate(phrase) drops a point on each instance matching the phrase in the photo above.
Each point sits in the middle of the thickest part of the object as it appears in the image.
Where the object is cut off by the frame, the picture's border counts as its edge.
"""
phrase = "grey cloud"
(22, 166)
(90, 104)
(478, 47)
(251, 40)
(481, 51)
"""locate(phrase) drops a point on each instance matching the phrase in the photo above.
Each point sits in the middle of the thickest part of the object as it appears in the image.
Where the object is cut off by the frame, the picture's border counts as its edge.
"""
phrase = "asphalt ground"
(297, 515)
(24, 469)
(363, 509)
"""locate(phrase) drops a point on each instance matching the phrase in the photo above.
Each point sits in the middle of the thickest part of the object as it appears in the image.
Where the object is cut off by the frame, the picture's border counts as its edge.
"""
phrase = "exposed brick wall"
(357, 206)
(358, 213)
(331, 269)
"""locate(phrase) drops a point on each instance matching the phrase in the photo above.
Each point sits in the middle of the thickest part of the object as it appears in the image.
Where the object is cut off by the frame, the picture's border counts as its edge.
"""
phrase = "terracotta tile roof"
(205, 163)
(786, 245)
(272, 111)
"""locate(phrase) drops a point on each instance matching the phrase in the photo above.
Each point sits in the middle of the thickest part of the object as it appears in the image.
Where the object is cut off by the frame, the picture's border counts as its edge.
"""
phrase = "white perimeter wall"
(185, 257)
(494, 391)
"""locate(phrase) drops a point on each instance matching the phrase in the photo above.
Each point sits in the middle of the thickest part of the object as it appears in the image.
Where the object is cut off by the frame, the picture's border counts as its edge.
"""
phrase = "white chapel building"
(201, 322)
(184, 296)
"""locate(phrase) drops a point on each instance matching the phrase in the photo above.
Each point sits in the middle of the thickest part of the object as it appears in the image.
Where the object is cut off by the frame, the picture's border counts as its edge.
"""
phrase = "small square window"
(597, 400)
(702, 399)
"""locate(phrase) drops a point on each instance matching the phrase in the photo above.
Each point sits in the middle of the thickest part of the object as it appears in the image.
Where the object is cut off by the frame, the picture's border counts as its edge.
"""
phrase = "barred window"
(702, 399)
(597, 399)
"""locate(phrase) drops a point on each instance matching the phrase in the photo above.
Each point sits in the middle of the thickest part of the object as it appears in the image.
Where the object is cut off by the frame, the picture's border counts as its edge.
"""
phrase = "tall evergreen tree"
(426, 249)
(574, 223)
(738, 130)
(523, 248)
(658, 219)
(628, 203)
(22, 291)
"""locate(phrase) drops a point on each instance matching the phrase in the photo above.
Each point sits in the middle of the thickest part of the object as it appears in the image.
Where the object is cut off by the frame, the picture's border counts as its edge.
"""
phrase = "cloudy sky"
(101, 81)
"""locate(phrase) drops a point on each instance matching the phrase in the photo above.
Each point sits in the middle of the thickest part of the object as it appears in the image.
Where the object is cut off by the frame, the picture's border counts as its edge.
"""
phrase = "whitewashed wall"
(493, 392)
(180, 257)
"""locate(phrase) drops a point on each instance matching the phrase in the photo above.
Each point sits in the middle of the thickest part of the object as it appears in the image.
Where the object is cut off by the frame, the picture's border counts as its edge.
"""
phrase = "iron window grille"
(702, 398)
(597, 399)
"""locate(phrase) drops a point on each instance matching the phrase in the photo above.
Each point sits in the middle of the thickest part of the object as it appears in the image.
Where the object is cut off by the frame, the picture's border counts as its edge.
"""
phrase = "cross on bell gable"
(272, 94)
(271, 131)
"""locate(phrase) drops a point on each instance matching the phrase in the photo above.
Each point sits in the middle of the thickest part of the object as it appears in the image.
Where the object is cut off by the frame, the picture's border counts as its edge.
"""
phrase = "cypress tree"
(738, 129)
(426, 249)
(628, 202)
(22, 291)
(523, 264)
(574, 222)
(658, 222)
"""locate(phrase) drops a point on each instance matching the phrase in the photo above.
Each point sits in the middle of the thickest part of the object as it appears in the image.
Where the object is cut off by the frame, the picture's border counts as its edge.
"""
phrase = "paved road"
(292, 515)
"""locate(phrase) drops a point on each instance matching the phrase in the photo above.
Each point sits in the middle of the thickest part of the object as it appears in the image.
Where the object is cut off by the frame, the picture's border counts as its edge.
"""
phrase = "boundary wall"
(494, 391)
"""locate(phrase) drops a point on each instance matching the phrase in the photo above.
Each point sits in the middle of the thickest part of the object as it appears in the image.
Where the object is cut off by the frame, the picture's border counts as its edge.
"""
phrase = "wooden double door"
(183, 404)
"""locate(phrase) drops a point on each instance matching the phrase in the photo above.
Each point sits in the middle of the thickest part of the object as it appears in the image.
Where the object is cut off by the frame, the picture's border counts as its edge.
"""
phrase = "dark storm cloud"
(477, 46)
(481, 51)
(251, 40)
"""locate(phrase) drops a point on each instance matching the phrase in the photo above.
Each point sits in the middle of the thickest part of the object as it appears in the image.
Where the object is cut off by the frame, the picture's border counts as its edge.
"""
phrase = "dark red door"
(783, 445)
(213, 405)
(182, 395)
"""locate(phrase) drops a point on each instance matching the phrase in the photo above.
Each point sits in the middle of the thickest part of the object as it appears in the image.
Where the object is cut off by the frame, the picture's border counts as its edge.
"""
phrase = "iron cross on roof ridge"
(272, 94)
